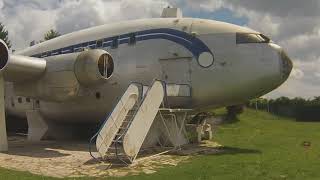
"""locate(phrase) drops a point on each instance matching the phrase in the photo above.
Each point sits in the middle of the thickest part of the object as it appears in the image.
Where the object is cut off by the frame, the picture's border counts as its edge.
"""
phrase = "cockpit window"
(245, 38)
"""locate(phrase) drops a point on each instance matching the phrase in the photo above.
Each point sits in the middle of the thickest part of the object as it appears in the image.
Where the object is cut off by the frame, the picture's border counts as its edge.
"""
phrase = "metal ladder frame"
(143, 98)
(108, 116)
(165, 106)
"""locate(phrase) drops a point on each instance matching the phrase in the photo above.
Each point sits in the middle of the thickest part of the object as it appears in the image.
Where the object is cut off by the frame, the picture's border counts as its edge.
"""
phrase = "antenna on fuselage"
(171, 12)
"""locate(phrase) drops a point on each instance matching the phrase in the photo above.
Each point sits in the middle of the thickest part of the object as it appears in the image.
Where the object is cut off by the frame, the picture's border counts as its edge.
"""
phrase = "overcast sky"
(294, 24)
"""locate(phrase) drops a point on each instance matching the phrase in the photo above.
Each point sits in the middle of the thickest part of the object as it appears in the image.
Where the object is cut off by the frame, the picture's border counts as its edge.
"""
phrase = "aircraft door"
(176, 71)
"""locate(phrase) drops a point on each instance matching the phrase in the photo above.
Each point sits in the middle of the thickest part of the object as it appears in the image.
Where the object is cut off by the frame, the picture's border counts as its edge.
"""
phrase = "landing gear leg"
(199, 127)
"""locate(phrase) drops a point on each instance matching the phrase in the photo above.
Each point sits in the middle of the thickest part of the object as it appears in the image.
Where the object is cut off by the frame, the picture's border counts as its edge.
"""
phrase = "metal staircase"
(124, 131)
(111, 127)
(115, 151)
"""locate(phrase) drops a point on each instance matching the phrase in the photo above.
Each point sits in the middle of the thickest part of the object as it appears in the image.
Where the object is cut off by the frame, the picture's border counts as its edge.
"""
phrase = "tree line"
(4, 35)
(298, 108)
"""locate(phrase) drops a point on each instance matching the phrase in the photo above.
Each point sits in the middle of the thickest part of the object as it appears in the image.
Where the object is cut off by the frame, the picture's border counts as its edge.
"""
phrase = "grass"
(258, 146)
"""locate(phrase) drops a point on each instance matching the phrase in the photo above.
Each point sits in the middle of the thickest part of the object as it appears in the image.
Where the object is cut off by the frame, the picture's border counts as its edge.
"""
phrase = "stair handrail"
(139, 105)
(105, 121)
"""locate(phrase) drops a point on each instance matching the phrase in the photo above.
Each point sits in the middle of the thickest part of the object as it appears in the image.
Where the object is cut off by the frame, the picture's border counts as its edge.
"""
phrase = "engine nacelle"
(93, 67)
(70, 76)
(4, 54)
(17, 68)
(56, 78)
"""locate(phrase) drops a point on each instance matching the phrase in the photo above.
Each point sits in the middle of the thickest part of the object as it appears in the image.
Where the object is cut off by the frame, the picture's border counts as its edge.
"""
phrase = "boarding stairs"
(124, 131)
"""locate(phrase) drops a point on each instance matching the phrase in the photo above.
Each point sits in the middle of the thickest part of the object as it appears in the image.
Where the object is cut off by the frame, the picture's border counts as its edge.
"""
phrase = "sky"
(293, 24)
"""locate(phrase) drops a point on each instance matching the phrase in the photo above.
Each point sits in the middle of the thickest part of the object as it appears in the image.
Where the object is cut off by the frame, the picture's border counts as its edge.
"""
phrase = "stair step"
(118, 150)
(131, 122)
(109, 132)
(117, 157)
(118, 136)
(114, 141)
(113, 146)
(122, 130)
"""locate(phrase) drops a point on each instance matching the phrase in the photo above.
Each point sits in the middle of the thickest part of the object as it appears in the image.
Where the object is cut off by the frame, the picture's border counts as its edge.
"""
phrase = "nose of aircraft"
(285, 64)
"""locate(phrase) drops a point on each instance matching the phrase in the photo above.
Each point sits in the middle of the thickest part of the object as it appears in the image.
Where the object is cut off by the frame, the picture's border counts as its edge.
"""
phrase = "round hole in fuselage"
(105, 66)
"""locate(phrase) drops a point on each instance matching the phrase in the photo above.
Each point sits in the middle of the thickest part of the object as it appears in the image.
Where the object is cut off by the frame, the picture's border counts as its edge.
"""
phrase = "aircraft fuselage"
(220, 67)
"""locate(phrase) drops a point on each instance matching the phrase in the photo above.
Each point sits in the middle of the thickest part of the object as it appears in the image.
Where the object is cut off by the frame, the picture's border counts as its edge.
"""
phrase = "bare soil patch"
(72, 159)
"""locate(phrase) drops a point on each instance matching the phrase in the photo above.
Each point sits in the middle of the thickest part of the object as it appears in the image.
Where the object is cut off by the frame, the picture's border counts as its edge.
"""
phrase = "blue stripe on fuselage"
(193, 44)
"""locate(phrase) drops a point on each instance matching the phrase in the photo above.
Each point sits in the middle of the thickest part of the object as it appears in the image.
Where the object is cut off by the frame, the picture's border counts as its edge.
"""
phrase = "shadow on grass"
(211, 149)
(233, 150)
(229, 119)
(189, 150)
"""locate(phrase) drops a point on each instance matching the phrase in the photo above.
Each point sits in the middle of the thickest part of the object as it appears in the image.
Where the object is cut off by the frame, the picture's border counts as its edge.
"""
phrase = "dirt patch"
(71, 159)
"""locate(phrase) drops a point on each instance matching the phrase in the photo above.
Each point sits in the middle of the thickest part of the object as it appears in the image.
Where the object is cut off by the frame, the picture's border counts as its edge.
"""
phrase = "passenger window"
(132, 39)
(99, 43)
(37, 104)
(19, 100)
(84, 45)
(115, 43)
(12, 101)
(28, 100)
(98, 95)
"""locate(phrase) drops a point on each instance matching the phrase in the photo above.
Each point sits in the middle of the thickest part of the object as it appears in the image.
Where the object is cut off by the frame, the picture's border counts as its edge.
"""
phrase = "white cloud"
(297, 73)
(293, 24)
(317, 74)
(28, 20)
(292, 86)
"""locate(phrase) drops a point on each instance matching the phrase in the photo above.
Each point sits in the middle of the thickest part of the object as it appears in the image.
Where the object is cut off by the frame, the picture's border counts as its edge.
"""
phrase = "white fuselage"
(161, 51)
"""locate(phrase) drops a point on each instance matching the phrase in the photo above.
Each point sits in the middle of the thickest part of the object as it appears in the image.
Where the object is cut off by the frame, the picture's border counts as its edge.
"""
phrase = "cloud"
(317, 74)
(293, 24)
(290, 88)
(28, 20)
(295, 29)
(297, 73)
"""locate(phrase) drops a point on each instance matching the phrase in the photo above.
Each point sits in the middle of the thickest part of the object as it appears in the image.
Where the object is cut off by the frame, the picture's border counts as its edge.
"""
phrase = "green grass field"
(258, 146)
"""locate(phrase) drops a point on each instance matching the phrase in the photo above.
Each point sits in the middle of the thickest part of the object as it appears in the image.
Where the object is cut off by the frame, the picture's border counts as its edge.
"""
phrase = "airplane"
(80, 77)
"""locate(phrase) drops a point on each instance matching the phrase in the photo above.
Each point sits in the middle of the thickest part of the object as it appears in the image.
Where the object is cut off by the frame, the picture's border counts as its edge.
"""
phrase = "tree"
(316, 99)
(51, 35)
(4, 35)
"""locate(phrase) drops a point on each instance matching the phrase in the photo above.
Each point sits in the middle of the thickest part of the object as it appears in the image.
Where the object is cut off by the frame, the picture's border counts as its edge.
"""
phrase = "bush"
(233, 111)
(298, 108)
